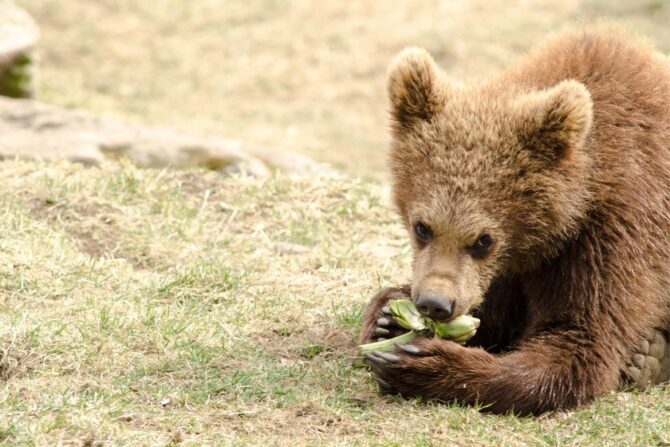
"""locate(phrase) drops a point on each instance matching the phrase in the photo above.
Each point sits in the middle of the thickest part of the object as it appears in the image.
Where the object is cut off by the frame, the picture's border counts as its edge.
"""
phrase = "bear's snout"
(434, 305)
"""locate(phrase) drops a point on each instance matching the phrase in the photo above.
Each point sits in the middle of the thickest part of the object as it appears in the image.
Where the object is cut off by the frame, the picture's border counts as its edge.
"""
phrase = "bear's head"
(490, 180)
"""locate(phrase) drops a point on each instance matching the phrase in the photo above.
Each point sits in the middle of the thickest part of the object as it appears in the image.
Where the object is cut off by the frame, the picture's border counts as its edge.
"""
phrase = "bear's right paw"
(386, 327)
(379, 324)
(383, 327)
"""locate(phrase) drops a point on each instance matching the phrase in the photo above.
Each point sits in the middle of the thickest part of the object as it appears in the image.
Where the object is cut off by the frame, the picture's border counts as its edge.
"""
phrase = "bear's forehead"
(461, 181)
(467, 158)
(458, 190)
(468, 154)
(474, 136)
(471, 128)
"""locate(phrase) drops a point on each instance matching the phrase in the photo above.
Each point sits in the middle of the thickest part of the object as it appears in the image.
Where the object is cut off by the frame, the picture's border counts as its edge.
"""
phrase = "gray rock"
(32, 129)
(18, 37)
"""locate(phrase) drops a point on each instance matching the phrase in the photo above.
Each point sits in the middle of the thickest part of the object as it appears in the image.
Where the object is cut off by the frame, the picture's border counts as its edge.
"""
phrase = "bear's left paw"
(411, 369)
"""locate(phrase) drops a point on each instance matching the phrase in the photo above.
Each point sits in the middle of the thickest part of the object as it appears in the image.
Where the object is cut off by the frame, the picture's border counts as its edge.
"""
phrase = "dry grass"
(234, 301)
(144, 307)
(302, 74)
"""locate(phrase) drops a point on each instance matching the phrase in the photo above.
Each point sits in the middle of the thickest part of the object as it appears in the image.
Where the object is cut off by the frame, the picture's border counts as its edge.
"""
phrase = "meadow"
(146, 307)
(184, 307)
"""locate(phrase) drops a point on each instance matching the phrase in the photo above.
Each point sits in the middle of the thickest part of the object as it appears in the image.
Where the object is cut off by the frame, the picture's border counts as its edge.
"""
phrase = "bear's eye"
(422, 232)
(481, 247)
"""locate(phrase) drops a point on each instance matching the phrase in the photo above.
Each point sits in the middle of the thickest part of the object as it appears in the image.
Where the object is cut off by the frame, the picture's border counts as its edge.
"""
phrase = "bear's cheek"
(474, 281)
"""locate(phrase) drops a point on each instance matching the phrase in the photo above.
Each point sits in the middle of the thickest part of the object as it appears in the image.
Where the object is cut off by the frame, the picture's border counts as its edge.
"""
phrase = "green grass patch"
(188, 324)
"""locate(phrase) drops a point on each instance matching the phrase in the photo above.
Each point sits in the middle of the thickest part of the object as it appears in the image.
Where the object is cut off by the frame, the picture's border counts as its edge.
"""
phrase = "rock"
(18, 37)
(285, 161)
(31, 129)
(34, 130)
(153, 147)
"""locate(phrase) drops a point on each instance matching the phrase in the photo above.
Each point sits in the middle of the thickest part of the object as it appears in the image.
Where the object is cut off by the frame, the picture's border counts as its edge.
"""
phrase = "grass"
(300, 74)
(145, 307)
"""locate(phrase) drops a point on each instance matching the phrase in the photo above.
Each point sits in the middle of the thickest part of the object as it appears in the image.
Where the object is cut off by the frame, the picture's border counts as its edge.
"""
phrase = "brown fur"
(565, 161)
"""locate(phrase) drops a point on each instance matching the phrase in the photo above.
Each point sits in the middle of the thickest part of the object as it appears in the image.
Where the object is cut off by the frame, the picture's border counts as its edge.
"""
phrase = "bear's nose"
(435, 306)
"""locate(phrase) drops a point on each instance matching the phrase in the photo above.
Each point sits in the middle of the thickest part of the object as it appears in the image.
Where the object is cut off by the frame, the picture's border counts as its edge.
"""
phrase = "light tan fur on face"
(473, 160)
(444, 267)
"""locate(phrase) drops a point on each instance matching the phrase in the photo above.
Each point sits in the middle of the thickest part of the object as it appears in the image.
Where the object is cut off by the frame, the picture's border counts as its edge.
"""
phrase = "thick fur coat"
(560, 169)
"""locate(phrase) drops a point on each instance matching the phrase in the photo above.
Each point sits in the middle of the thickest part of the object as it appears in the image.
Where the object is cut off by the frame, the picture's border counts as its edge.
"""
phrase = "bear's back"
(619, 69)
(629, 82)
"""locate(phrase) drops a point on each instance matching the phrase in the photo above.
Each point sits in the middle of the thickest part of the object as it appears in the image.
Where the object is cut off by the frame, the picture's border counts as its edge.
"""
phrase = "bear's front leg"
(545, 374)
(377, 322)
(432, 369)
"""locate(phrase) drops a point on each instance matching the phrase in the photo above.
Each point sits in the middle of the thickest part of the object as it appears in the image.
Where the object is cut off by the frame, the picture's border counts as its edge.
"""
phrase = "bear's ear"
(416, 88)
(555, 122)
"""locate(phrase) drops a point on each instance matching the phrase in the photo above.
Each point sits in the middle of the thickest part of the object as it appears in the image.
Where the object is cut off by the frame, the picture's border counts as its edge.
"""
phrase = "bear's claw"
(384, 386)
(385, 326)
(384, 322)
(409, 349)
(382, 358)
(381, 332)
(378, 319)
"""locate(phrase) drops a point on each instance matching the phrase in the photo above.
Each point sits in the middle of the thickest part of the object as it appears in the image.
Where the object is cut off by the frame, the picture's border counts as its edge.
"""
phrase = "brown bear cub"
(539, 201)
